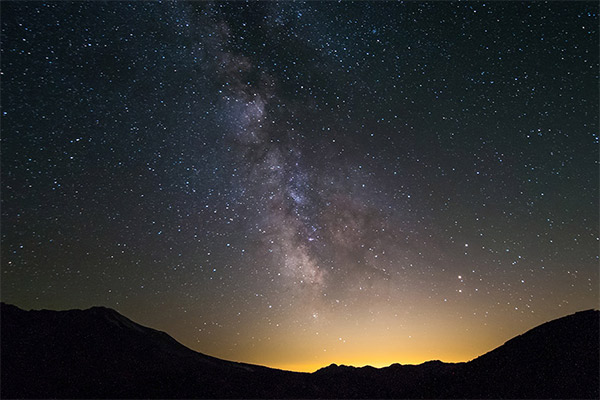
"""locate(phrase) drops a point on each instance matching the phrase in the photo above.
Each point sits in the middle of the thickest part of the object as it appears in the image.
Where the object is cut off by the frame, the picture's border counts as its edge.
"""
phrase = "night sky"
(296, 184)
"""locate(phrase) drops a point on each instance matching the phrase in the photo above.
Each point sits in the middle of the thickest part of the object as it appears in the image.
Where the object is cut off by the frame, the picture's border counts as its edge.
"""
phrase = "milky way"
(295, 184)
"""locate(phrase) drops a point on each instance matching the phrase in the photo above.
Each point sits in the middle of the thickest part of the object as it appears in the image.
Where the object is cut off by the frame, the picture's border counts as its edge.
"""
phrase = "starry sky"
(300, 183)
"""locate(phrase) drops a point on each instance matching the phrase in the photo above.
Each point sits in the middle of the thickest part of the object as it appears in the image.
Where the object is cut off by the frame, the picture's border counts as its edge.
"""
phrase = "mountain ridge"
(99, 353)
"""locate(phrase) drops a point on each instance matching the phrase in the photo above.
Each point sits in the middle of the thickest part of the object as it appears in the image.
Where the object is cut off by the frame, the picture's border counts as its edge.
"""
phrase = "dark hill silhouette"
(98, 353)
(554, 358)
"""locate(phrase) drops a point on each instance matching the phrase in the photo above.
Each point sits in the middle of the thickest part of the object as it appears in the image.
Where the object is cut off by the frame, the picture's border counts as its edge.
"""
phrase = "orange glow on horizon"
(376, 339)
(362, 363)
(379, 355)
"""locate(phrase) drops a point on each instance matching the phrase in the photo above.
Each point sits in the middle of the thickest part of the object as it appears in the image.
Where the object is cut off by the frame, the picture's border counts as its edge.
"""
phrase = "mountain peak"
(114, 317)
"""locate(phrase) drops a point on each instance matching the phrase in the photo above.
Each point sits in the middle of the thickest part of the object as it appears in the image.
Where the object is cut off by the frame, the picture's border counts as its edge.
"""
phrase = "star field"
(294, 184)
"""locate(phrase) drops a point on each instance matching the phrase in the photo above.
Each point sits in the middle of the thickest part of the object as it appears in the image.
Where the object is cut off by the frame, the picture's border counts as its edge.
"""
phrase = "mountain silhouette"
(98, 353)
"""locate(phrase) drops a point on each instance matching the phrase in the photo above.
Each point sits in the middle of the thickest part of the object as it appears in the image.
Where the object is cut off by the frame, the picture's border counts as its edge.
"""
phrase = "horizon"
(304, 183)
(316, 367)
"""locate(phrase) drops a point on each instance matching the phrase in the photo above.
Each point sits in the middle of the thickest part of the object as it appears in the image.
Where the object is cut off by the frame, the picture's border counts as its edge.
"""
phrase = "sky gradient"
(299, 184)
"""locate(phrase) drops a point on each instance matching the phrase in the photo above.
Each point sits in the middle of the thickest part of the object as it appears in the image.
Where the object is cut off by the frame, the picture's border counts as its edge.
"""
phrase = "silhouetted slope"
(98, 353)
(558, 359)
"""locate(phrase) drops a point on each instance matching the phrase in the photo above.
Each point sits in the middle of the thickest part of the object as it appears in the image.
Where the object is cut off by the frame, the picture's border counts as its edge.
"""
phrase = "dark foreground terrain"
(98, 353)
